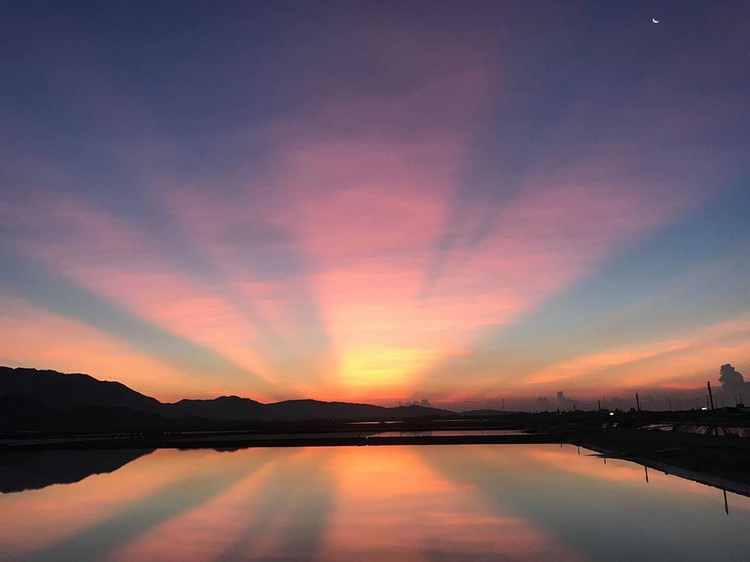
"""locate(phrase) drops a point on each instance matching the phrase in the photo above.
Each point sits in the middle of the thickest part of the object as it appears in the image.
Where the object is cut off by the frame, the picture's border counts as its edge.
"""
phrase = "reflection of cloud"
(101, 539)
(36, 523)
(32, 470)
(538, 479)
(383, 497)
(275, 510)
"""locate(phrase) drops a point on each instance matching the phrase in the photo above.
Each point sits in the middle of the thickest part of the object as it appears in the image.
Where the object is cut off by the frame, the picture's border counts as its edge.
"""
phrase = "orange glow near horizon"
(383, 334)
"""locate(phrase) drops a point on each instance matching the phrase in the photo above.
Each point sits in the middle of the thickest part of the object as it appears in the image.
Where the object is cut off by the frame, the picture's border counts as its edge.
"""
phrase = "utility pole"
(726, 504)
(710, 394)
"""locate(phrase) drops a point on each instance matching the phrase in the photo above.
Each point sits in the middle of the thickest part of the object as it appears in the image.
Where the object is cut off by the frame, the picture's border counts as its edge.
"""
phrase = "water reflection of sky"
(450, 433)
(429, 503)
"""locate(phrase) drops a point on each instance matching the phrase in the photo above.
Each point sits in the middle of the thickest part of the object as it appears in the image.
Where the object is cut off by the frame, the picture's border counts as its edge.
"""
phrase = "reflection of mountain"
(48, 400)
(31, 470)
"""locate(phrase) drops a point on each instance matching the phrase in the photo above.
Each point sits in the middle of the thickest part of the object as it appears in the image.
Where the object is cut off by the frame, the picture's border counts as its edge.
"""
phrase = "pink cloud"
(101, 252)
(35, 338)
(333, 237)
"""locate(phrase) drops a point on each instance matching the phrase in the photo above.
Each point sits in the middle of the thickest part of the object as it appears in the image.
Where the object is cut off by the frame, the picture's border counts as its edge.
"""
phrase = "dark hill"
(315, 409)
(233, 408)
(222, 408)
(48, 400)
(58, 390)
(21, 413)
(486, 412)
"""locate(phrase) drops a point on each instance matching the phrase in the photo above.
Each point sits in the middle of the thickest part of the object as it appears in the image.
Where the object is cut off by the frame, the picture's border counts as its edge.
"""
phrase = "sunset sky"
(376, 201)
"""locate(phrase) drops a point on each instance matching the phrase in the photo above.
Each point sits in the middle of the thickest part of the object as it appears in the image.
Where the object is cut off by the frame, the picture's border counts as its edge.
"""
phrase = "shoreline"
(717, 482)
(294, 440)
(720, 462)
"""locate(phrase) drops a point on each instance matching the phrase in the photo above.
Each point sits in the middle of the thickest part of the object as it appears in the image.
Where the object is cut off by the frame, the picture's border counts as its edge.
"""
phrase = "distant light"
(611, 413)
(704, 408)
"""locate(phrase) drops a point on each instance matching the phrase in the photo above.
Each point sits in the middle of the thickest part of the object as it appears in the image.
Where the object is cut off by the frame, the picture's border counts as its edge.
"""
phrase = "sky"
(459, 202)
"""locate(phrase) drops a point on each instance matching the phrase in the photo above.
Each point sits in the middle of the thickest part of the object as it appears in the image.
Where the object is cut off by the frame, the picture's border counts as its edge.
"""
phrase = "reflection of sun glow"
(463, 503)
(24, 515)
(392, 504)
(203, 532)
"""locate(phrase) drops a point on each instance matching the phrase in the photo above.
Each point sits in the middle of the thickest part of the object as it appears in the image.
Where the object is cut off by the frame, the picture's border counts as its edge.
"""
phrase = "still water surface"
(429, 503)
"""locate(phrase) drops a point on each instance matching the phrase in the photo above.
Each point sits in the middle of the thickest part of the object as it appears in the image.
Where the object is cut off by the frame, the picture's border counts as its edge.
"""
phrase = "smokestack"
(637, 402)
(710, 394)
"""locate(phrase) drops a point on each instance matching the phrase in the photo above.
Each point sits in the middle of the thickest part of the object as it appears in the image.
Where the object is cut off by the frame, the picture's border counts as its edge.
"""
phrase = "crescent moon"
(654, 20)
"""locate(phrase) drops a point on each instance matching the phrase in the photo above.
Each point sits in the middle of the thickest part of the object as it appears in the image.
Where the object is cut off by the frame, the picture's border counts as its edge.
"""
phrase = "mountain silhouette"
(19, 413)
(484, 412)
(57, 390)
(31, 399)
(224, 408)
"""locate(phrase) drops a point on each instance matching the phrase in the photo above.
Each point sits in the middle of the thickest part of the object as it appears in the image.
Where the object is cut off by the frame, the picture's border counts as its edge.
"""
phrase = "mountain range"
(32, 399)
